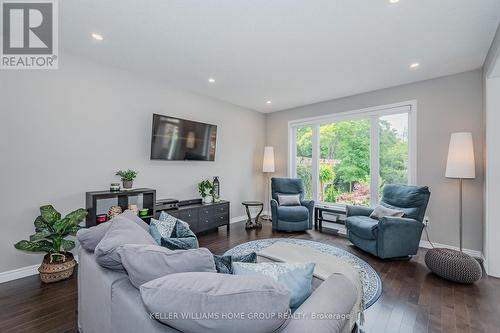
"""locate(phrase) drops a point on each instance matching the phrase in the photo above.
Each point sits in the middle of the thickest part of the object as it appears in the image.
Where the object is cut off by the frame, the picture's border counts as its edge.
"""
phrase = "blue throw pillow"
(159, 229)
(297, 278)
(172, 233)
(223, 264)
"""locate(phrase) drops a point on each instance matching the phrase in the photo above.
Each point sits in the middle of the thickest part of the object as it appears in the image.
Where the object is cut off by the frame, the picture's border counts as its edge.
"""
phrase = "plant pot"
(56, 271)
(207, 199)
(127, 184)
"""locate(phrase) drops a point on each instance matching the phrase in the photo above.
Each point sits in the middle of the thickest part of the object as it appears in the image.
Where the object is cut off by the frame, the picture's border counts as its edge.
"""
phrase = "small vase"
(127, 184)
(207, 199)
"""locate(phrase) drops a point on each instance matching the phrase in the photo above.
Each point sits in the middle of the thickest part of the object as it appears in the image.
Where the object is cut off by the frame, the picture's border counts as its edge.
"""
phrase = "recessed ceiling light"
(414, 65)
(211, 80)
(268, 102)
(97, 36)
(393, 1)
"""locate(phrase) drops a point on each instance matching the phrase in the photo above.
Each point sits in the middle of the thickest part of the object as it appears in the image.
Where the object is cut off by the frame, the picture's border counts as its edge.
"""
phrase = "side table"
(253, 223)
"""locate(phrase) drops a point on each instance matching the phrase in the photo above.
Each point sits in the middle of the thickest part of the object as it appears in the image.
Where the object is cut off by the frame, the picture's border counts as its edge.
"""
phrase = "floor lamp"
(460, 165)
(267, 168)
(450, 264)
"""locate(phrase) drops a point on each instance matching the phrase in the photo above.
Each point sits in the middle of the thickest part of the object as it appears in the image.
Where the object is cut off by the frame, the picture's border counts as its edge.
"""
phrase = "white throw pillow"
(289, 199)
(381, 211)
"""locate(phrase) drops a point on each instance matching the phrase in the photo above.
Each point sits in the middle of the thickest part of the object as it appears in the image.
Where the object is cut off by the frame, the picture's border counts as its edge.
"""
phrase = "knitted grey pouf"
(453, 265)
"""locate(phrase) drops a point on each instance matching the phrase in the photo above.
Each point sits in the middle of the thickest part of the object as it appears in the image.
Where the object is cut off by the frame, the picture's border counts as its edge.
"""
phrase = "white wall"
(491, 245)
(492, 189)
(445, 105)
(67, 131)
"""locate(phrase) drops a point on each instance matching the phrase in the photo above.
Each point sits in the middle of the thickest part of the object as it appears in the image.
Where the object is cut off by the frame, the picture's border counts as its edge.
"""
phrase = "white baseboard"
(244, 217)
(238, 219)
(473, 253)
(18, 273)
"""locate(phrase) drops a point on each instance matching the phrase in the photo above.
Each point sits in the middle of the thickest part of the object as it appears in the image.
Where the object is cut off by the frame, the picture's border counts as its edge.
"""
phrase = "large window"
(347, 158)
(304, 158)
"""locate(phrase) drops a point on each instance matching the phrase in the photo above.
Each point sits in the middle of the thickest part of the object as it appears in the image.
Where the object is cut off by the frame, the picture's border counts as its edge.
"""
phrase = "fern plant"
(51, 231)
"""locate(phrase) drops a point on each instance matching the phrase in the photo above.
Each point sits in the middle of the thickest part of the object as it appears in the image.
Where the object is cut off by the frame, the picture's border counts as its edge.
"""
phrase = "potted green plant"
(127, 177)
(50, 236)
(205, 188)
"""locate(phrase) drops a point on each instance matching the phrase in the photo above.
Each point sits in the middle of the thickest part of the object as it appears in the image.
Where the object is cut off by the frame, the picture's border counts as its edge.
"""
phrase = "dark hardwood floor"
(413, 300)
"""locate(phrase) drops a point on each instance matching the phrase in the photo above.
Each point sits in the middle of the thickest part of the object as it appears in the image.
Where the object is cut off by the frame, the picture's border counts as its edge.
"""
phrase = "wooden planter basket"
(56, 271)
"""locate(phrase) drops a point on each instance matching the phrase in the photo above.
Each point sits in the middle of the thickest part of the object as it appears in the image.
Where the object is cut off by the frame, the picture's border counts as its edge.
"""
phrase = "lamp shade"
(268, 162)
(461, 156)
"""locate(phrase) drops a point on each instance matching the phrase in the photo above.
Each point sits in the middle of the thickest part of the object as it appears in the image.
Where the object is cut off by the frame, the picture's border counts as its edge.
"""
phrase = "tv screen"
(175, 139)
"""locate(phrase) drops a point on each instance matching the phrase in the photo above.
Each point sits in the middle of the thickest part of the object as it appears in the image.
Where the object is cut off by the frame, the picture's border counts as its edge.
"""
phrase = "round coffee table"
(253, 223)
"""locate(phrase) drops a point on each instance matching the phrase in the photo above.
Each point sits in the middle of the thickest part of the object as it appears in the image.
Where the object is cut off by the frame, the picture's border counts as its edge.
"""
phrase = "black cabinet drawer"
(220, 219)
(221, 209)
(205, 222)
(206, 212)
(212, 222)
(190, 216)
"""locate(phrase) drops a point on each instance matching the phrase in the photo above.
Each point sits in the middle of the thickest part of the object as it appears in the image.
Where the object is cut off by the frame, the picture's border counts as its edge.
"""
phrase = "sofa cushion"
(293, 213)
(211, 302)
(134, 218)
(328, 309)
(223, 264)
(90, 237)
(296, 277)
(363, 226)
(145, 263)
(122, 231)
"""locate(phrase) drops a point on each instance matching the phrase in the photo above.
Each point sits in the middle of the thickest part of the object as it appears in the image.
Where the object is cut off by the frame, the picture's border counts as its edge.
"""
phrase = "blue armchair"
(290, 218)
(390, 237)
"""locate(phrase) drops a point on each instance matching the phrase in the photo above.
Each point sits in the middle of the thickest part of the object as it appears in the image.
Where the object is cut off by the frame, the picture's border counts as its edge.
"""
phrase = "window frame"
(372, 113)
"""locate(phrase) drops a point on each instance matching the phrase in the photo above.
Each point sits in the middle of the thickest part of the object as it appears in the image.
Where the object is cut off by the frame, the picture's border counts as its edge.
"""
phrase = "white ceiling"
(288, 51)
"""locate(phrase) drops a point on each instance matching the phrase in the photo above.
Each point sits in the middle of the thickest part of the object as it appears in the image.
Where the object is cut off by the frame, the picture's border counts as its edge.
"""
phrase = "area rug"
(372, 285)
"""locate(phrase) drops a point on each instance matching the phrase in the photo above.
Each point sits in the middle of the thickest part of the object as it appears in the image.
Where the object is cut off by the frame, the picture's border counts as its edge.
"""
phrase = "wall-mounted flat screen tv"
(175, 139)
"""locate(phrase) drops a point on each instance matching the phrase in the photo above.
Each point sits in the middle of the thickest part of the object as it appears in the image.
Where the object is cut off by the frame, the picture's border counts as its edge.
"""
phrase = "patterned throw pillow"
(223, 264)
(164, 216)
(167, 217)
(297, 278)
(162, 229)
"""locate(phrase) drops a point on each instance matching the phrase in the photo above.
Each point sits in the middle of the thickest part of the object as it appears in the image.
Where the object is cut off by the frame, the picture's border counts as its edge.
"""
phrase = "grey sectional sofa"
(108, 302)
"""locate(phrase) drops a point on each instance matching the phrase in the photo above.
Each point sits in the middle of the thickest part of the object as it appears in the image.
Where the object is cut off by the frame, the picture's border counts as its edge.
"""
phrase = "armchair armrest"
(309, 204)
(358, 210)
(401, 222)
(274, 213)
(398, 236)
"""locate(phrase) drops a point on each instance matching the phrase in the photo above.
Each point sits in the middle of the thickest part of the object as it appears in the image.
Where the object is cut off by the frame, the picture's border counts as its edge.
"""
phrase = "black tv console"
(200, 216)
